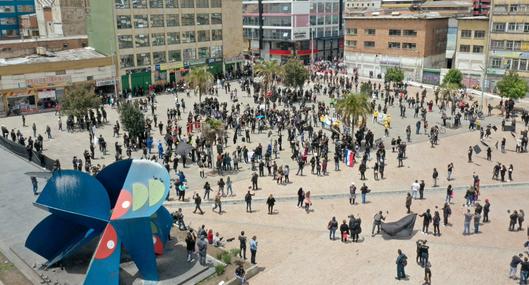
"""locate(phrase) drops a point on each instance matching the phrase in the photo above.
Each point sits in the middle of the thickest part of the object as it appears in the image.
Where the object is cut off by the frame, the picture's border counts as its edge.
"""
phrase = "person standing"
(468, 218)
(450, 171)
(486, 210)
(513, 219)
(229, 187)
(436, 223)
(301, 197)
(35, 185)
(254, 181)
(415, 189)
(402, 261)
(242, 245)
(477, 218)
(198, 201)
(511, 169)
(355, 227)
(426, 220)
(202, 245)
(521, 216)
(377, 221)
(447, 211)
(435, 175)
(352, 194)
(248, 200)
(524, 271)
(364, 190)
(253, 249)
(449, 194)
(516, 259)
(190, 245)
(469, 153)
(332, 226)
(344, 231)
(270, 202)
(218, 203)
(408, 202)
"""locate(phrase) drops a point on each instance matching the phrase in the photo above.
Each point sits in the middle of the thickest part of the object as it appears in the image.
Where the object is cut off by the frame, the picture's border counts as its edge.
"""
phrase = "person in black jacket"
(486, 210)
(436, 222)
(355, 227)
(270, 202)
(301, 197)
(427, 219)
(344, 231)
(447, 211)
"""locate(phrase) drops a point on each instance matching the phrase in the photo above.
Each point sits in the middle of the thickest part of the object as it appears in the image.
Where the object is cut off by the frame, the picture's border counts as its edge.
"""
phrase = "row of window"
(475, 48)
(510, 27)
(391, 32)
(478, 34)
(513, 8)
(159, 4)
(170, 20)
(509, 45)
(510, 63)
(391, 45)
(252, 33)
(159, 57)
(18, 8)
(286, 8)
(170, 38)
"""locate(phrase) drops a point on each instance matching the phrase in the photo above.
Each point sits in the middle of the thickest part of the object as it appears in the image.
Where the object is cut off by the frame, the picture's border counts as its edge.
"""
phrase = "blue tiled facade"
(10, 12)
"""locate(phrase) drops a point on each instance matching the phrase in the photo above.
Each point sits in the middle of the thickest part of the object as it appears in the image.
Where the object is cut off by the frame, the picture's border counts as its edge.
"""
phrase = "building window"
(202, 3)
(8, 21)
(394, 32)
(187, 3)
(125, 41)
(216, 35)
(479, 34)
(141, 21)
(139, 4)
(497, 44)
(169, 3)
(216, 51)
(188, 19)
(126, 60)
(370, 32)
(350, 44)
(514, 64)
(513, 8)
(158, 39)
(189, 54)
(495, 62)
(464, 48)
(143, 59)
(526, 27)
(517, 45)
(509, 45)
(25, 8)
(352, 31)
(158, 57)
(203, 36)
(410, 33)
(498, 27)
(523, 65)
(216, 19)
(141, 40)
(156, 4)
(369, 44)
(216, 4)
(188, 37)
(156, 21)
(393, 45)
(7, 9)
(172, 20)
(477, 49)
(202, 19)
(174, 55)
(203, 52)
(173, 38)
(466, 33)
(122, 4)
(124, 22)
(409, 45)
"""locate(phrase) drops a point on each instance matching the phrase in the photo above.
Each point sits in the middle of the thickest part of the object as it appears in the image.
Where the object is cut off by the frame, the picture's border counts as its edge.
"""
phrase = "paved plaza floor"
(293, 246)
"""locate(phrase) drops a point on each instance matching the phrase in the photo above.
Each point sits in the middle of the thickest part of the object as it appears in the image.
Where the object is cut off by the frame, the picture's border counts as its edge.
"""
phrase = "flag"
(349, 158)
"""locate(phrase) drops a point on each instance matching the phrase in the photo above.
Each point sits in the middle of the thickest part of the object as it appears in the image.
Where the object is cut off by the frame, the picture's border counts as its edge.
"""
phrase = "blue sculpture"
(123, 204)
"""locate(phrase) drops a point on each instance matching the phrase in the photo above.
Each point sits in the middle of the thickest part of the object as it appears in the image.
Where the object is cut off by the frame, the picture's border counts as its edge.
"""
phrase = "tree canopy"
(79, 99)
(295, 73)
(512, 86)
(453, 79)
(212, 129)
(200, 79)
(394, 74)
(268, 69)
(354, 109)
(132, 119)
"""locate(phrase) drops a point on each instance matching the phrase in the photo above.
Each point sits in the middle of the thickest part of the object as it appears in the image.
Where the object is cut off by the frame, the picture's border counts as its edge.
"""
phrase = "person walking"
(435, 175)
(202, 245)
(468, 218)
(408, 202)
(218, 203)
(248, 200)
(229, 187)
(436, 222)
(242, 245)
(447, 211)
(377, 221)
(270, 202)
(332, 226)
(35, 185)
(253, 249)
(402, 261)
(513, 266)
(307, 202)
(198, 201)
(449, 194)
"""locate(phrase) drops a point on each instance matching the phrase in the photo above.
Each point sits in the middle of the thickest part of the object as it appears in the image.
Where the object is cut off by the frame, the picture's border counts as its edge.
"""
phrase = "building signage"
(105, 82)
(234, 59)
(49, 80)
(390, 62)
(171, 65)
(300, 35)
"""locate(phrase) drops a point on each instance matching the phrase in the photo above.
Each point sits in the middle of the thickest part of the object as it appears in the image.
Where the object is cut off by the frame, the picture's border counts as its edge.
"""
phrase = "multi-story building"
(61, 18)
(281, 29)
(155, 40)
(10, 12)
(509, 40)
(472, 48)
(362, 5)
(414, 43)
(26, 47)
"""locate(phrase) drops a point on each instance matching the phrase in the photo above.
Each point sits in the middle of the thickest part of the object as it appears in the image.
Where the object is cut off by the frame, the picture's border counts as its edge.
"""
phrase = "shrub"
(219, 269)
(235, 251)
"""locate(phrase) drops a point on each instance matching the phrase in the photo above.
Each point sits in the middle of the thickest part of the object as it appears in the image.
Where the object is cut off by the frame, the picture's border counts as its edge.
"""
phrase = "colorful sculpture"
(123, 204)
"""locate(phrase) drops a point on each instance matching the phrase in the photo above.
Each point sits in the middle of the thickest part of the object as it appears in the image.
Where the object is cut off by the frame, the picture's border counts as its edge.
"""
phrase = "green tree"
(268, 70)
(132, 119)
(212, 130)
(200, 79)
(512, 86)
(366, 88)
(354, 109)
(79, 99)
(453, 79)
(295, 73)
(394, 74)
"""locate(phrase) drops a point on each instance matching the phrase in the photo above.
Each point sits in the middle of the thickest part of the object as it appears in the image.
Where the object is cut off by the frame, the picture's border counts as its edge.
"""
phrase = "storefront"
(171, 71)
(21, 101)
(431, 76)
(105, 86)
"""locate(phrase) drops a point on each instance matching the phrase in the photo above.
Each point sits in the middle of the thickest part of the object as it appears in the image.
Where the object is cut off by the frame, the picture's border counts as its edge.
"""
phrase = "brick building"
(21, 48)
(415, 43)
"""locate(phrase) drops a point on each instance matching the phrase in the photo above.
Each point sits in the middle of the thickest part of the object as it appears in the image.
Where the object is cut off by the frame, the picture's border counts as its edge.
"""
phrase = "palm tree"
(212, 130)
(268, 70)
(200, 79)
(354, 109)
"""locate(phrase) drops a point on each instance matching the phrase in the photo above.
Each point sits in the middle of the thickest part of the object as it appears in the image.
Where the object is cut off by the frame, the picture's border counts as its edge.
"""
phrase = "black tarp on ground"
(402, 228)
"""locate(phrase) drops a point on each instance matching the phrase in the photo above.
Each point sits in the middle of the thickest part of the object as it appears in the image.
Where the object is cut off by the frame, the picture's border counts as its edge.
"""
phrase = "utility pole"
(487, 55)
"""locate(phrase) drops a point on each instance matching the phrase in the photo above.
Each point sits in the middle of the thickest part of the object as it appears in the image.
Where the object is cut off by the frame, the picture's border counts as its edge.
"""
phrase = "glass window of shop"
(203, 52)
(143, 59)
(189, 54)
(21, 103)
(47, 99)
(126, 61)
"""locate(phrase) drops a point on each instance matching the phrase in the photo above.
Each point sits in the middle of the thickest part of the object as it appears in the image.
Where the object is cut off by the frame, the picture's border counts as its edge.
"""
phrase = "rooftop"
(446, 4)
(17, 41)
(65, 55)
(481, 18)
(427, 16)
